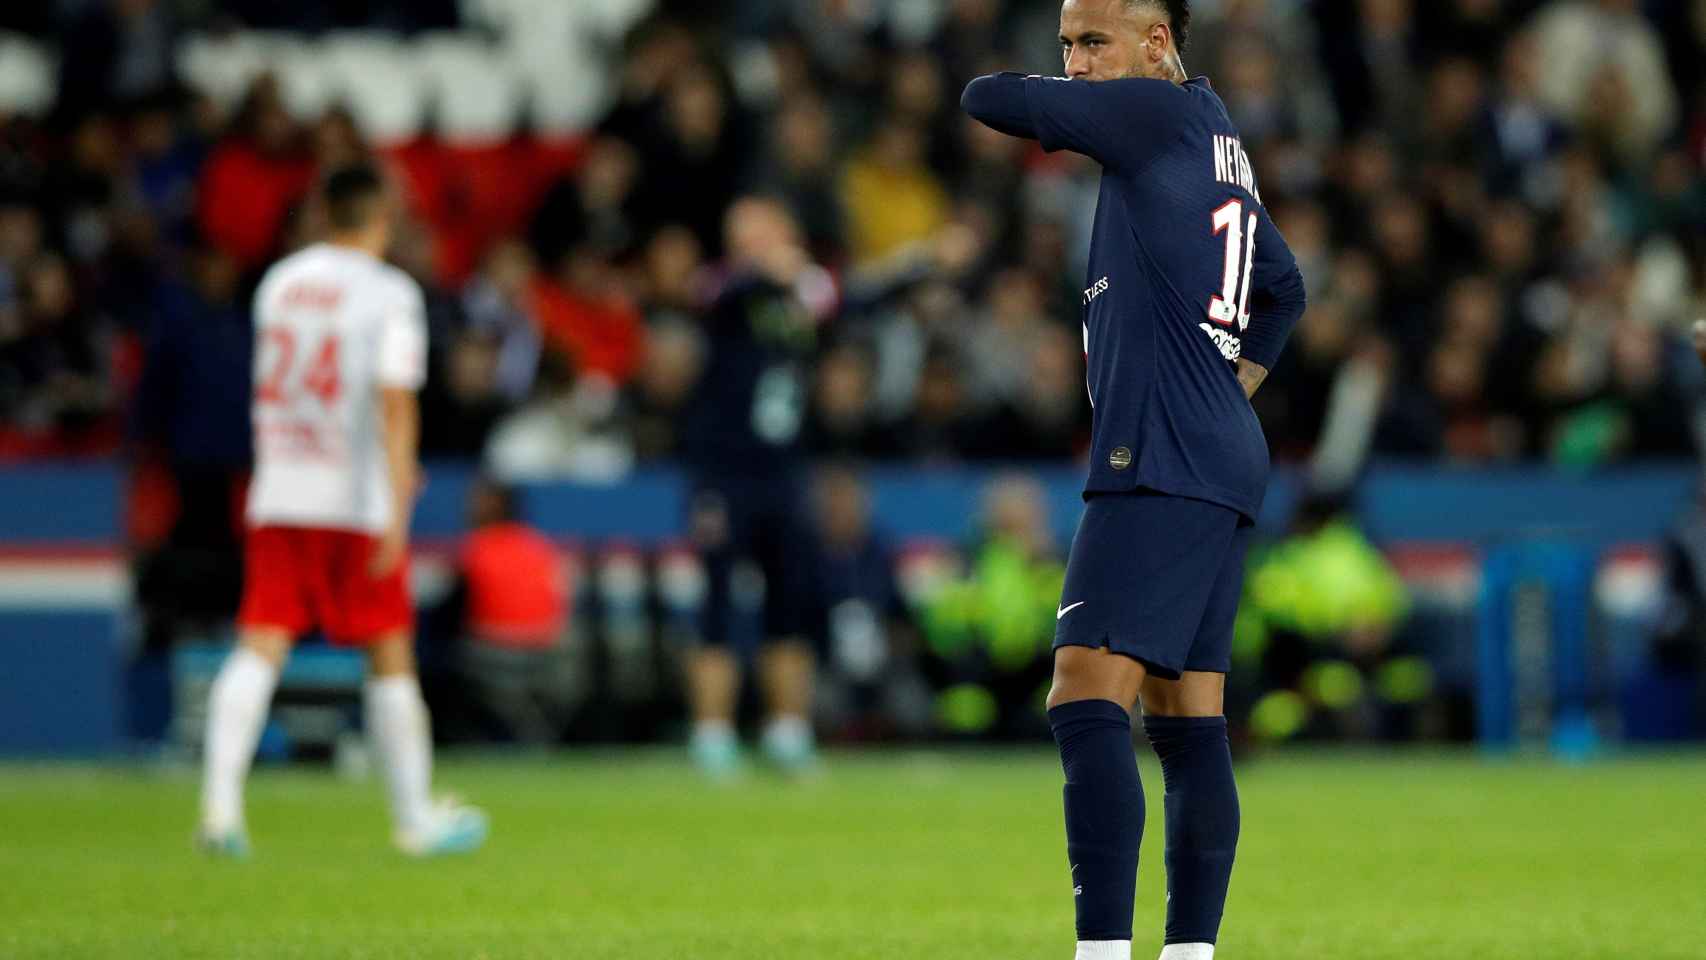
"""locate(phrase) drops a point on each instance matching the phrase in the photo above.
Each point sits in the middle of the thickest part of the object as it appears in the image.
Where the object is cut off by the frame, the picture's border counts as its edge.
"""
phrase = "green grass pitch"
(898, 855)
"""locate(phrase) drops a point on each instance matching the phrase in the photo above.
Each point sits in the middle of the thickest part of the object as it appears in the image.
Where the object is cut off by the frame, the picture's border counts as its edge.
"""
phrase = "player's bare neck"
(357, 241)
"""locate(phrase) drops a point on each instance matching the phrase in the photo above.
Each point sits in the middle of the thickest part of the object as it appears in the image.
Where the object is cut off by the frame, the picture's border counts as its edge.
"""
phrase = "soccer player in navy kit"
(1190, 296)
(740, 445)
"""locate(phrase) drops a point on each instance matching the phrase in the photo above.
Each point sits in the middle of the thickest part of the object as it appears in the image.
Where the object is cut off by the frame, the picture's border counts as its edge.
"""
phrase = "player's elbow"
(979, 97)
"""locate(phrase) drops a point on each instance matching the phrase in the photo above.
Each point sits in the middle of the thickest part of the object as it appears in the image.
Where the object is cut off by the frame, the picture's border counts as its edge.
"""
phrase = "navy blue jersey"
(1187, 274)
(743, 420)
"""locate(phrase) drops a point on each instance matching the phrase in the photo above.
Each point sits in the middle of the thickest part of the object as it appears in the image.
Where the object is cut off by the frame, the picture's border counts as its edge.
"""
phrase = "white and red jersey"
(332, 326)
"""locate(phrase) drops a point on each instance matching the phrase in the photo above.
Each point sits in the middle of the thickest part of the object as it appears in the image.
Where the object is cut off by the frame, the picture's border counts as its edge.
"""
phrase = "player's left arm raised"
(1120, 124)
(1277, 301)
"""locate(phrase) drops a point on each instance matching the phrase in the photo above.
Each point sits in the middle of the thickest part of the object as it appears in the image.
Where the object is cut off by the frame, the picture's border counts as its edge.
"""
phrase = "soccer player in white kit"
(340, 351)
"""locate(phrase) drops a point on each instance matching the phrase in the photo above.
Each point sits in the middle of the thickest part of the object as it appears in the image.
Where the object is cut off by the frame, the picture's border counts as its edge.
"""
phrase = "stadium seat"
(474, 90)
(613, 17)
(222, 65)
(374, 76)
(569, 99)
(26, 76)
(555, 48)
(303, 80)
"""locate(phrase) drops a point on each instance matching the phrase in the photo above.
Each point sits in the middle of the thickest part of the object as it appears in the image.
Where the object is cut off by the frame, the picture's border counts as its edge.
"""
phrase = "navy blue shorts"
(1157, 578)
(762, 523)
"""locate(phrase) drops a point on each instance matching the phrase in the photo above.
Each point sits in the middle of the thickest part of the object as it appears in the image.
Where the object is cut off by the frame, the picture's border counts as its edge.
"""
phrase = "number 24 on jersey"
(319, 375)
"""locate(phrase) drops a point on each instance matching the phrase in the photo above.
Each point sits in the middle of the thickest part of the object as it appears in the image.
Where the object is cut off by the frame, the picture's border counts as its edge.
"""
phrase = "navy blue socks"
(1104, 813)
(1202, 822)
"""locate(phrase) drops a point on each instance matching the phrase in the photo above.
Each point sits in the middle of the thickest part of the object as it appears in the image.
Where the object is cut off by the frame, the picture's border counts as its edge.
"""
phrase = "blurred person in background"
(740, 440)
(989, 636)
(868, 688)
(515, 593)
(1048, 418)
(803, 171)
(498, 304)
(116, 51)
(340, 354)
(999, 343)
(1318, 635)
(464, 402)
(587, 315)
(1602, 67)
(891, 196)
(82, 193)
(842, 422)
(598, 205)
(55, 380)
(942, 426)
(693, 132)
(1672, 692)
(570, 431)
(655, 403)
(167, 159)
(1521, 133)
(189, 414)
(253, 178)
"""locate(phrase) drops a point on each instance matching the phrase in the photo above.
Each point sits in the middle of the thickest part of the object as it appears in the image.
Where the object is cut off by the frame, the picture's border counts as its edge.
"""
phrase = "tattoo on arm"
(1251, 375)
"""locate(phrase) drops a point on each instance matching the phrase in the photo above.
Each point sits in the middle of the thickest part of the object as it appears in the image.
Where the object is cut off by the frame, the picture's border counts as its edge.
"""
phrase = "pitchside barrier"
(1546, 634)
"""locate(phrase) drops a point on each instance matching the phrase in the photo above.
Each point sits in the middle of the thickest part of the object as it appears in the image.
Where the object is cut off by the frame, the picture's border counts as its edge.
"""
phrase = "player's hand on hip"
(1250, 376)
(393, 544)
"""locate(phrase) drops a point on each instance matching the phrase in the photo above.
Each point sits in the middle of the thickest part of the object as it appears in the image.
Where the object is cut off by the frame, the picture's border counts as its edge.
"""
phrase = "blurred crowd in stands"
(1499, 207)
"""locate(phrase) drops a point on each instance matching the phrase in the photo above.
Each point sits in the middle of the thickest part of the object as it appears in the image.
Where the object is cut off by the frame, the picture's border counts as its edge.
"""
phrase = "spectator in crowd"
(843, 422)
(1602, 68)
(192, 401)
(515, 591)
(254, 178)
(892, 197)
(466, 401)
(656, 400)
(600, 205)
(190, 428)
(54, 376)
(116, 51)
(499, 305)
(1048, 417)
(989, 637)
(1520, 134)
(1316, 635)
(20, 244)
(869, 687)
(587, 317)
(1559, 139)
(167, 160)
(801, 170)
(1672, 691)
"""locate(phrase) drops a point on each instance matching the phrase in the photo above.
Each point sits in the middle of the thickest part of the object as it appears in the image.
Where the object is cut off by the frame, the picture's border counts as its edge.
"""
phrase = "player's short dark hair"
(1178, 17)
(352, 196)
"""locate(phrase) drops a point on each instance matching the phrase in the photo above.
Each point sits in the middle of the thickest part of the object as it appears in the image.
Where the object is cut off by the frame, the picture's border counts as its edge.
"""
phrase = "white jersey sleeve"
(403, 339)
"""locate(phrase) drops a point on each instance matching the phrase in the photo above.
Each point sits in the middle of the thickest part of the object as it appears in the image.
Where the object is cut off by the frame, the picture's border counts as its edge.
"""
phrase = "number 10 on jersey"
(1232, 304)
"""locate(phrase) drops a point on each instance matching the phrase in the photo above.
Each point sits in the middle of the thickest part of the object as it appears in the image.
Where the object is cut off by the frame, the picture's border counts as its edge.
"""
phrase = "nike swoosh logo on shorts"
(1063, 611)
